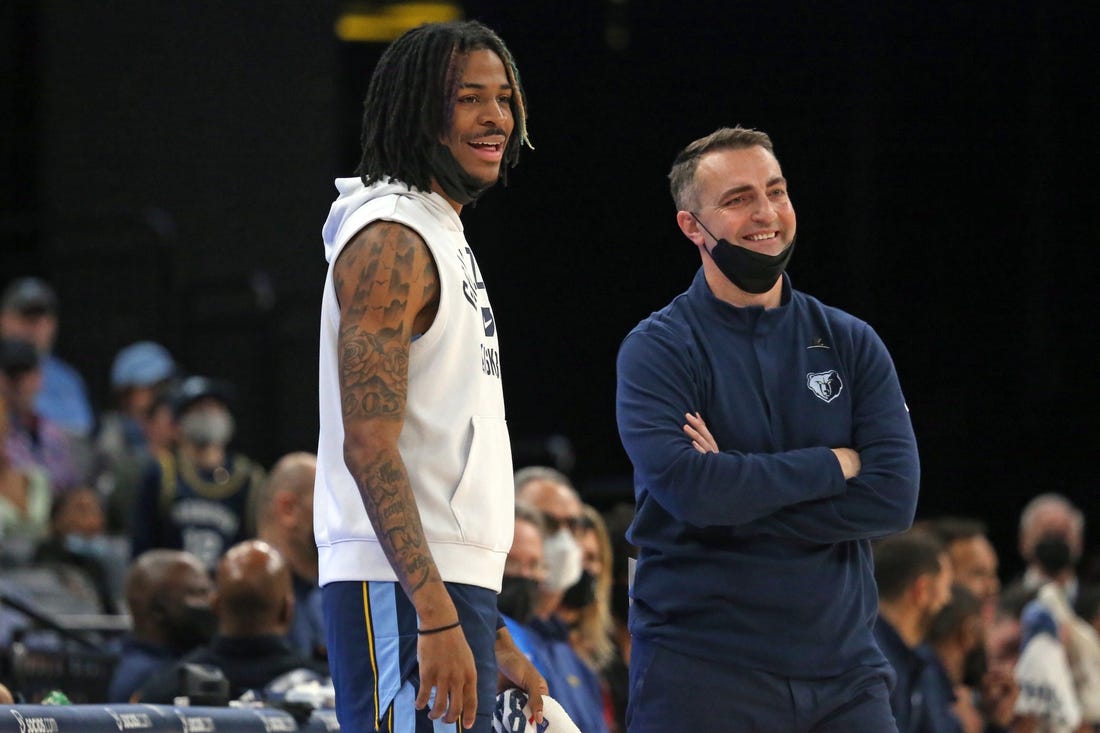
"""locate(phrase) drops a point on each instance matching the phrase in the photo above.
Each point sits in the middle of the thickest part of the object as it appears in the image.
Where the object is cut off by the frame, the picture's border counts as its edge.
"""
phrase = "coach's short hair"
(682, 176)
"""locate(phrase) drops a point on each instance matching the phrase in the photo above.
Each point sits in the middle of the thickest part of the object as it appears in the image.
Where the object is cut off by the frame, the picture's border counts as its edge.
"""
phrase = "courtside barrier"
(158, 719)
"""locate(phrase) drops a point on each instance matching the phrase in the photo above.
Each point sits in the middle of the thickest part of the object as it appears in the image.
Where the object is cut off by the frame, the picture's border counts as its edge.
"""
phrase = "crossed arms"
(821, 494)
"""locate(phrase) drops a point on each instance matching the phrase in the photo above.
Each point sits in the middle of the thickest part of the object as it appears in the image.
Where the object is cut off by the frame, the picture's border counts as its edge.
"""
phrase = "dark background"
(168, 166)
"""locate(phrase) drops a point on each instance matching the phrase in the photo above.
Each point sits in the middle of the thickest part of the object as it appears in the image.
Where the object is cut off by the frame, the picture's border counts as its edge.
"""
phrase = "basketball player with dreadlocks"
(413, 500)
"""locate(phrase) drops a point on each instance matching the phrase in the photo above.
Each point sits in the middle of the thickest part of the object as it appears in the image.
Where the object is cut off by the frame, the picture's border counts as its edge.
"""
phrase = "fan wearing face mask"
(168, 594)
(543, 569)
(197, 498)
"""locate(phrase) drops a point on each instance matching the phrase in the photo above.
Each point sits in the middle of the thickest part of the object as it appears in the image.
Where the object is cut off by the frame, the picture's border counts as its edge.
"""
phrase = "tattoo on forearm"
(384, 486)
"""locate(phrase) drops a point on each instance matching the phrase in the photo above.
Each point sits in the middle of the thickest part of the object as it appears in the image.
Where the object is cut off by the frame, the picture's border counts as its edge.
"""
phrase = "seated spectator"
(913, 574)
(77, 544)
(168, 593)
(28, 311)
(161, 430)
(140, 372)
(1052, 532)
(960, 693)
(284, 519)
(973, 559)
(24, 499)
(524, 572)
(1080, 644)
(586, 605)
(254, 604)
(197, 498)
(33, 439)
(617, 674)
(586, 608)
(572, 682)
(161, 436)
(1048, 693)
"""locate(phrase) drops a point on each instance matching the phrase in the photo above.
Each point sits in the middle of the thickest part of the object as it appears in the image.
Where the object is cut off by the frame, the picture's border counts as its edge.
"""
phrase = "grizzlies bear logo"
(826, 386)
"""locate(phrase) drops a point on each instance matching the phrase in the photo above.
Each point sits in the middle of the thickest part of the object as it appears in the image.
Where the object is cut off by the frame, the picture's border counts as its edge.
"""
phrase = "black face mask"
(581, 593)
(1053, 554)
(750, 271)
(189, 627)
(517, 597)
(453, 178)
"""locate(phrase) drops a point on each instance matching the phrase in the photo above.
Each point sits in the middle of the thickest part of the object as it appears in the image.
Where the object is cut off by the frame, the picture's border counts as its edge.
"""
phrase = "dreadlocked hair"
(409, 102)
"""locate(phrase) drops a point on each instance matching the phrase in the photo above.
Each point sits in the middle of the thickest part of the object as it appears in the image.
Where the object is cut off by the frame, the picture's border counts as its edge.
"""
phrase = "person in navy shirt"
(771, 442)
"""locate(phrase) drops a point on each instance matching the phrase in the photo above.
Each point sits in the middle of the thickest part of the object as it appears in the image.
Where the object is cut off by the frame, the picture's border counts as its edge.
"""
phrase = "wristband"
(438, 629)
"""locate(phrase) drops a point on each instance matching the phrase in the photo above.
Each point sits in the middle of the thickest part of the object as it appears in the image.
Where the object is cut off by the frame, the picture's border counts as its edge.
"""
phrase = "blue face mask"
(750, 271)
(93, 547)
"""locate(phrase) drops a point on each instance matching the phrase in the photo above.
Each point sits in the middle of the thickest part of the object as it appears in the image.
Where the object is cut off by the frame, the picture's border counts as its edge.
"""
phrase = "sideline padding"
(157, 719)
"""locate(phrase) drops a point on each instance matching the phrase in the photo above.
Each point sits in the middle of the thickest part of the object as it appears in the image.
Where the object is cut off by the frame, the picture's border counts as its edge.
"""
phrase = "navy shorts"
(370, 628)
(673, 692)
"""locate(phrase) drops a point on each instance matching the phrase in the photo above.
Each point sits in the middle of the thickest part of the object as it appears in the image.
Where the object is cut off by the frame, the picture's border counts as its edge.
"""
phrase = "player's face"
(742, 197)
(481, 116)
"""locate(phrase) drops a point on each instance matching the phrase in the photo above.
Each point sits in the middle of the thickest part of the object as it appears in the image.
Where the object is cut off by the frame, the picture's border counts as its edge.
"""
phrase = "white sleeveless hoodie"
(454, 441)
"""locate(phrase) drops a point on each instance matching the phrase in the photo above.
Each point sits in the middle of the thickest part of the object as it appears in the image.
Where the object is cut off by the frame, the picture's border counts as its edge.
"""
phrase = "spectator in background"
(1078, 639)
(1055, 688)
(33, 439)
(28, 311)
(617, 675)
(960, 693)
(572, 682)
(139, 373)
(586, 605)
(913, 574)
(973, 559)
(254, 604)
(284, 519)
(524, 574)
(161, 431)
(953, 635)
(168, 593)
(77, 544)
(24, 496)
(197, 498)
(1003, 635)
(586, 608)
(1052, 533)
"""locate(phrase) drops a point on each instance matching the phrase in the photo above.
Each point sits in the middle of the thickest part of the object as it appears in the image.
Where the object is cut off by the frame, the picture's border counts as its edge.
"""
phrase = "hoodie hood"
(353, 195)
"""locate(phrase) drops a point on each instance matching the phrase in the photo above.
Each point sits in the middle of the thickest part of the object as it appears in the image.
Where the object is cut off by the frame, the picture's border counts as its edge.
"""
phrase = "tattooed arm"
(388, 288)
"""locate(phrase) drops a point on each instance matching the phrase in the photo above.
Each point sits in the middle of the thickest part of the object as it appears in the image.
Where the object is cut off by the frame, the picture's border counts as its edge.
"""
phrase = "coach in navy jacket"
(771, 442)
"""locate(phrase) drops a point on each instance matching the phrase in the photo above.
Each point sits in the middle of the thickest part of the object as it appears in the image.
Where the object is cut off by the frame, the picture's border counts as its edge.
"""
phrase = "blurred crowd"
(137, 539)
(140, 538)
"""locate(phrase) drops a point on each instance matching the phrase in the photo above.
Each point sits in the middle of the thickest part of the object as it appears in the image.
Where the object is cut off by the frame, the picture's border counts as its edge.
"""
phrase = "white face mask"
(563, 559)
(208, 427)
